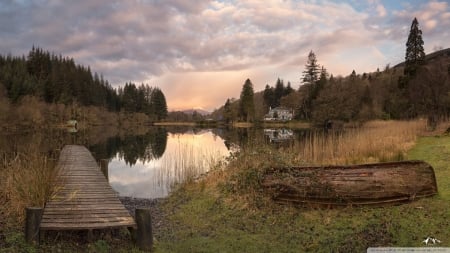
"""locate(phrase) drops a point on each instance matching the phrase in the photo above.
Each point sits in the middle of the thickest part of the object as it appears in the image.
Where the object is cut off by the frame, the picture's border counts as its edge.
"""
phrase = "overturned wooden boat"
(365, 184)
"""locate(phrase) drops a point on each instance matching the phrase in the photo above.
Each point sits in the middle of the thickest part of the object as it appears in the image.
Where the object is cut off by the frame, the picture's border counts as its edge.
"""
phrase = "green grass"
(208, 219)
(436, 151)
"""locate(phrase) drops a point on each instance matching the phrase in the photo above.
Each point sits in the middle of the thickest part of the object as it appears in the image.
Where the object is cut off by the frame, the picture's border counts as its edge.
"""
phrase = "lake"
(185, 156)
(148, 162)
(151, 164)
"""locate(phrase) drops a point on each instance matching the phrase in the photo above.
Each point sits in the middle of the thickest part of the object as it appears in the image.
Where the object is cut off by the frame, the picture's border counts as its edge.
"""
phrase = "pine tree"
(246, 103)
(227, 112)
(158, 104)
(310, 81)
(278, 92)
(312, 70)
(353, 75)
(129, 97)
(288, 89)
(320, 84)
(269, 96)
(415, 54)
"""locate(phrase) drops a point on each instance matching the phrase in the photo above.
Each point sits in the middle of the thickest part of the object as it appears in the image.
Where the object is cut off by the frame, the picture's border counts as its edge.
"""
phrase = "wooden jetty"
(365, 184)
(84, 200)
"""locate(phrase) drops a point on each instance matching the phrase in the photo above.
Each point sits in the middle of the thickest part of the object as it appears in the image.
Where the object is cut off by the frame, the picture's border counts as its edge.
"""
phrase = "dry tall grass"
(186, 162)
(376, 141)
(26, 180)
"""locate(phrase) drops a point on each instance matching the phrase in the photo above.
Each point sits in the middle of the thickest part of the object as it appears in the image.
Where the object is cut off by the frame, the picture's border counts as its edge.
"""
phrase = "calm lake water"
(148, 166)
(185, 156)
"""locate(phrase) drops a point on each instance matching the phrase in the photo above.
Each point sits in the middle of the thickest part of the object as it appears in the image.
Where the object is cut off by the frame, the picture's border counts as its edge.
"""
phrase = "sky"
(200, 52)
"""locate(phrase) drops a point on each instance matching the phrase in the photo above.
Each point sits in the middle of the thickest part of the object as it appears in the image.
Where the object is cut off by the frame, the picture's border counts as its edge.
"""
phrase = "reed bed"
(26, 180)
(376, 141)
(188, 162)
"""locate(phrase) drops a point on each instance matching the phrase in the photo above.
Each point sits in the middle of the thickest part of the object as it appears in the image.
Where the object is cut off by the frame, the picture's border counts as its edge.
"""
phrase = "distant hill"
(431, 56)
(200, 111)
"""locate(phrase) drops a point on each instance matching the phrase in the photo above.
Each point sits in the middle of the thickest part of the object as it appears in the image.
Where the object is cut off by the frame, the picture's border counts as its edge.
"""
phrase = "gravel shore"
(158, 218)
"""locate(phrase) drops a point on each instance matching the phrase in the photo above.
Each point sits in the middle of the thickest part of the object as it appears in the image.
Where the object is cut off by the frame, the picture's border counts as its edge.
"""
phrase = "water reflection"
(146, 162)
(132, 147)
(279, 135)
(163, 161)
(146, 147)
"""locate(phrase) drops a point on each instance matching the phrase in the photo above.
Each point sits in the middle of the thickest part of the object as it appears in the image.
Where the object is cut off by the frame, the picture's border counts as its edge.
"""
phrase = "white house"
(279, 113)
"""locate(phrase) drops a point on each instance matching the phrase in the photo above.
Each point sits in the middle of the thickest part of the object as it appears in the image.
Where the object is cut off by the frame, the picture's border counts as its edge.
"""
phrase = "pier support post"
(104, 167)
(33, 220)
(144, 236)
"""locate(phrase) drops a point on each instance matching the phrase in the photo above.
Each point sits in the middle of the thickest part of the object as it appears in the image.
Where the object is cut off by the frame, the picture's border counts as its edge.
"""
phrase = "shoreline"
(158, 218)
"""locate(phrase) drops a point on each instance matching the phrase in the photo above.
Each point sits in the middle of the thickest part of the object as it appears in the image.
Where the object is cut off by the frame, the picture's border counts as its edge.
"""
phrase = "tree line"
(419, 87)
(57, 79)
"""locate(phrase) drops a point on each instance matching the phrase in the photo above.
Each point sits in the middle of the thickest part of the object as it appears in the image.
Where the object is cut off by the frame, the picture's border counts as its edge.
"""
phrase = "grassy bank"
(288, 124)
(227, 213)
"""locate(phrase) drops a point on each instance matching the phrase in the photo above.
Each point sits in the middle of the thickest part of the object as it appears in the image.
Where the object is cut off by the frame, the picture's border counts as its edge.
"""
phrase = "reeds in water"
(376, 141)
(187, 162)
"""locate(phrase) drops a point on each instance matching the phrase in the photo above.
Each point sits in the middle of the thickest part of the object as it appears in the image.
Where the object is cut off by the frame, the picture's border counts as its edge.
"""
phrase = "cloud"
(433, 20)
(177, 42)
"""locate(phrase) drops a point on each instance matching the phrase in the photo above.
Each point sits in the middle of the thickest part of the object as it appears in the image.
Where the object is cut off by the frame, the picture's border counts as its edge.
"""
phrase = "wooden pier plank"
(85, 200)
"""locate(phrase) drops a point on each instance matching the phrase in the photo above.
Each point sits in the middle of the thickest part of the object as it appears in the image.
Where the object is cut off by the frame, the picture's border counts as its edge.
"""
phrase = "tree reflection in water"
(132, 147)
(166, 161)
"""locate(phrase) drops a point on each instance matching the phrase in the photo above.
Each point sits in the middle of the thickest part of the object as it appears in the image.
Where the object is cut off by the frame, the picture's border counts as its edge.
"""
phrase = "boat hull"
(366, 184)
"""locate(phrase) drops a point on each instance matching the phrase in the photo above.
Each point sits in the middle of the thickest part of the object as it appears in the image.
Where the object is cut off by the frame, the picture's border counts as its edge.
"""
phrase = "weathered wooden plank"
(74, 216)
(92, 206)
(91, 184)
(89, 220)
(80, 191)
(75, 226)
(85, 199)
(84, 212)
(73, 197)
(89, 190)
(81, 208)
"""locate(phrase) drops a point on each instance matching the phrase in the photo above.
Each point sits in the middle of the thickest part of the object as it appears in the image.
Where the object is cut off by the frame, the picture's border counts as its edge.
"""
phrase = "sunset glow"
(200, 52)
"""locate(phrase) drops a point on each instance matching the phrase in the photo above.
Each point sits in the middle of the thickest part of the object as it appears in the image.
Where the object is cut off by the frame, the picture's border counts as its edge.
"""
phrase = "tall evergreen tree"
(227, 111)
(279, 92)
(246, 103)
(269, 96)
(158, 104)
(310, 87)
(320, 84)
(130, 97)
(312, 70)
(415, 54)
(288, 89)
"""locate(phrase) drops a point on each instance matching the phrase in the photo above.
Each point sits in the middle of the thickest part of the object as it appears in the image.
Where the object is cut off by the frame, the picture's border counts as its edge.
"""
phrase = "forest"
(55, 79)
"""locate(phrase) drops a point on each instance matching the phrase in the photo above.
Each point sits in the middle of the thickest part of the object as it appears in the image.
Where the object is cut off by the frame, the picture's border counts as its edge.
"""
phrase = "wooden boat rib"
(365, 184)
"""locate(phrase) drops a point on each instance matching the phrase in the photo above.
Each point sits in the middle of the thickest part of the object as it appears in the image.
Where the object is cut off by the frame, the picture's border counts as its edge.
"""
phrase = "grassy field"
(206, 220)
(227, 212)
